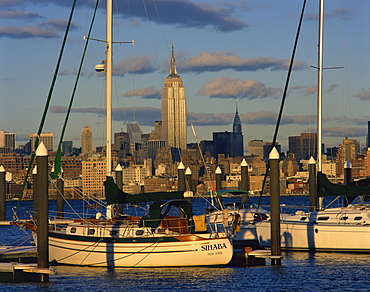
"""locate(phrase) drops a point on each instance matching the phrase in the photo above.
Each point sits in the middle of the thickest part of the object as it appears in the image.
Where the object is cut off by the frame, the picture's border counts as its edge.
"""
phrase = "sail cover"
(114, 195)
(327, 188)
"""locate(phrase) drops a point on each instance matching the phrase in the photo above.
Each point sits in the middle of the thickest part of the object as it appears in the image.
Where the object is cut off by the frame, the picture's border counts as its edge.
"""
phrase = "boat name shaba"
(208, 247)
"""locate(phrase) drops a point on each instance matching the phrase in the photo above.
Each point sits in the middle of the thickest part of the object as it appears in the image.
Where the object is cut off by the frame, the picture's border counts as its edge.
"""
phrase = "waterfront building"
(46, 138)
(174, 109)
(86, 141)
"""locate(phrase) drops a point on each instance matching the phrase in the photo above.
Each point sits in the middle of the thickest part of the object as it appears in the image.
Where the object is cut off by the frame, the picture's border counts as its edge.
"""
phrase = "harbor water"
(300, 271)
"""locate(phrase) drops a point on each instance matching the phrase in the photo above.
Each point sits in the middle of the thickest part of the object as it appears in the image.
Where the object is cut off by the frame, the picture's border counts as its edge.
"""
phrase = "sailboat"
(168, 236)
(332, 229)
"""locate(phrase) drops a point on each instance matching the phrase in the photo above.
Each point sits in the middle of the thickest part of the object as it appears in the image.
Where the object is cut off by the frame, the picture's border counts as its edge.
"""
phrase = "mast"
(109, 44)
(319, 87)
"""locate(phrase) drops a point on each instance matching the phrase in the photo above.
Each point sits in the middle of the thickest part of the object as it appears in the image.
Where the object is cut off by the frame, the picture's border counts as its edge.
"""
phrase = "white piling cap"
(2, 169)
(274, 154)
(41, 150)
(244, 163)
(312, 160)
(181, 165)
(348, 164)
(119, 167)
(34, 171)
(218, 170)
(188, 171)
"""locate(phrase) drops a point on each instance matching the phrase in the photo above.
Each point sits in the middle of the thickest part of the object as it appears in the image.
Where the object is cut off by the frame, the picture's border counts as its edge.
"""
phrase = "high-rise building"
(255, 147)
(237, 148)
(7, 141)
(86, 141)
(174, 109)
(46, 138)
(67, 147)
(229, 143)
(303, 146)
(135, 132)
(368, 135)
(348, 150)
(93, 175)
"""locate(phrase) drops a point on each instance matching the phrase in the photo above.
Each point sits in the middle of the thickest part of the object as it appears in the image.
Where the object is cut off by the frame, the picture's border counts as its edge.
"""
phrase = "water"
(300, 271)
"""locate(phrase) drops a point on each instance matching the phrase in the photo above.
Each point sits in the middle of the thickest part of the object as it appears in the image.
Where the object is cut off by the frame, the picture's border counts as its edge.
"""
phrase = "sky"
(227, 52)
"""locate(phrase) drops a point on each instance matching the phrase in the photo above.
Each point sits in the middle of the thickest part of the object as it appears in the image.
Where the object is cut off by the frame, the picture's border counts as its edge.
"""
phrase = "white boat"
(155, 240)
(159, 239)
(241, 219)
(331, 229)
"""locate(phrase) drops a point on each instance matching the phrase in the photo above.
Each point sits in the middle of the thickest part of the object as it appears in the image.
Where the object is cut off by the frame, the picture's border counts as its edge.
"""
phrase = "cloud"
(341, 13)
(181, 13)
(58, 25)
(364, 94)
(147, 93)
(344, 132)
(226, 87)
(16, 32)
(186, 13)
(214, 62)
(19, 14)
(137, 65)
(145, 116)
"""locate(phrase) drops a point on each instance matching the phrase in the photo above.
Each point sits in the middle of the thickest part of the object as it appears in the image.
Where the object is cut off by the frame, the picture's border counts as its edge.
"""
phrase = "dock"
(20, 272)
(24, 254)
(251, 258)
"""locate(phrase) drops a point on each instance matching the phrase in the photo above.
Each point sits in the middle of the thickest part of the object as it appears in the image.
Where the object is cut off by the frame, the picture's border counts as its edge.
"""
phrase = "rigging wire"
(284, 97)
(42, 122)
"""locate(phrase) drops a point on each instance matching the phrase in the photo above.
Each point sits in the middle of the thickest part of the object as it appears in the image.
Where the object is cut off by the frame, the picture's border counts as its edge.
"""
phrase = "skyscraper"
(174, 109)
(46, 138)
(86, 141)
(7, 141)
(229, 143)
(237, 142)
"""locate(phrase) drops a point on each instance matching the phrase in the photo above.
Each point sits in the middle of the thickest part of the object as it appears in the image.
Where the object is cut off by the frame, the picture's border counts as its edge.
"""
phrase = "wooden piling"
(43, 208)
(275, 206)
(181, 184)
(312, 184)
(119, 183)
(2, 194)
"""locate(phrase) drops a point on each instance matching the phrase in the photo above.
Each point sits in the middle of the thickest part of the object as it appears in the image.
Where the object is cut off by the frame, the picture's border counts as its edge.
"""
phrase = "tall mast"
(109, 43)
(319, 87)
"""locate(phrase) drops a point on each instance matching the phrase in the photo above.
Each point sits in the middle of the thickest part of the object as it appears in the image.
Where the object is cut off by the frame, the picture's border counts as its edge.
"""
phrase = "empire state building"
(174, 109)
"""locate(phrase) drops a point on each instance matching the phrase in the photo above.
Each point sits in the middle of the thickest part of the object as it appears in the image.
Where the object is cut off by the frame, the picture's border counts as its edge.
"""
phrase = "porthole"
(139, 232)
(357, 218)
(323, 218)
(91, 231)
(73, 230)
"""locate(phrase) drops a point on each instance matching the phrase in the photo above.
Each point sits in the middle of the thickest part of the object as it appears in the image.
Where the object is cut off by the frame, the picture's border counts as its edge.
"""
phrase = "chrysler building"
(174, 109)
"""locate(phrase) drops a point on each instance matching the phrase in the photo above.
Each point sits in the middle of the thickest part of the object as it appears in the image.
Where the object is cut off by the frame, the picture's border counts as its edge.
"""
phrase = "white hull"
(342, 231)
(246, 234)
(187, 250)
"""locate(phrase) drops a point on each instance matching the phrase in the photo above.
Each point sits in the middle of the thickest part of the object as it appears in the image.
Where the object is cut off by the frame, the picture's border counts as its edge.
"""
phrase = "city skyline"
(224, 51)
